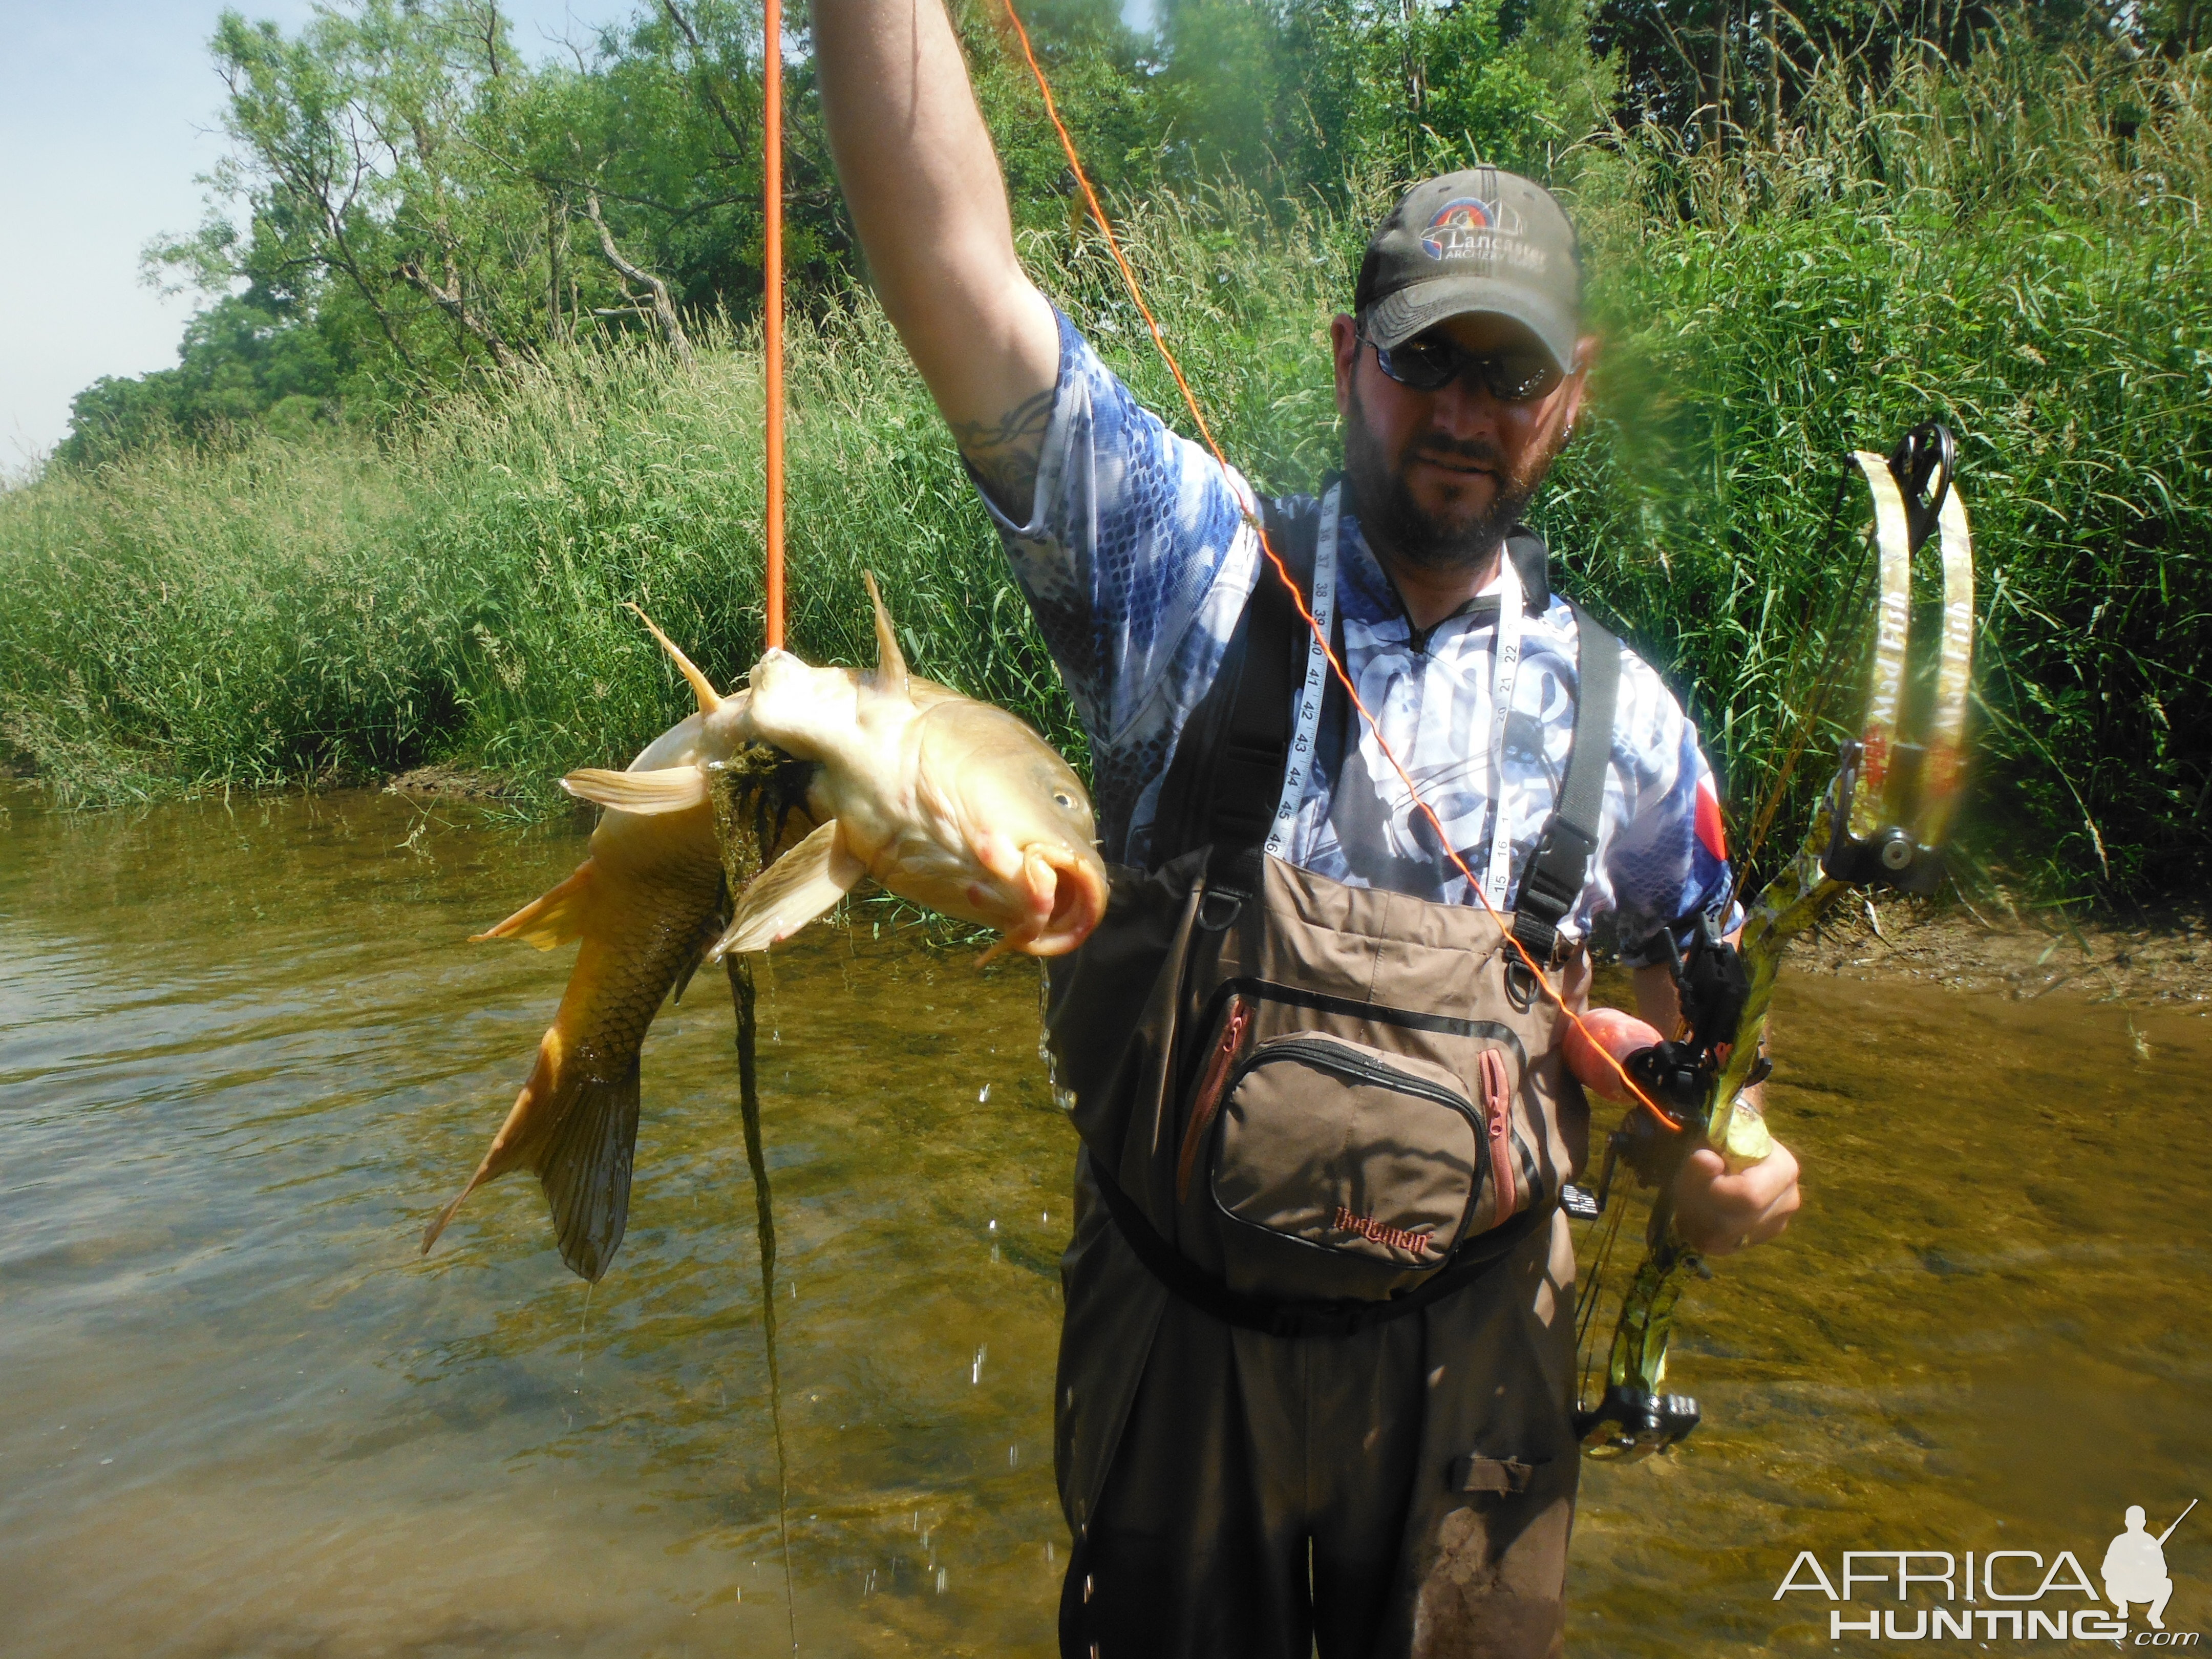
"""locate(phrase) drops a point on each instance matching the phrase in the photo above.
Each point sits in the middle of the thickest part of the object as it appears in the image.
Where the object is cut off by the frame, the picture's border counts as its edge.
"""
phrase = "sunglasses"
(1427, 363)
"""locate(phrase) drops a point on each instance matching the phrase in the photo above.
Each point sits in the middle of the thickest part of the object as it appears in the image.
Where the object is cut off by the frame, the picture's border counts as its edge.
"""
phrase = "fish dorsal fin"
(702, 687)
(891, 661)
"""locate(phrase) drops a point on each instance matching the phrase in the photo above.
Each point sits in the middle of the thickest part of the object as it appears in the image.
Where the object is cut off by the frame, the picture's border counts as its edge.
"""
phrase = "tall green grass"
(2017, 247)
(2021, 250)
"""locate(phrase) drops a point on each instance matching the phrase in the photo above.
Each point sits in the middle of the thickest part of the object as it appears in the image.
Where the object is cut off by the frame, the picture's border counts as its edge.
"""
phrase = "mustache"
(1465, 451)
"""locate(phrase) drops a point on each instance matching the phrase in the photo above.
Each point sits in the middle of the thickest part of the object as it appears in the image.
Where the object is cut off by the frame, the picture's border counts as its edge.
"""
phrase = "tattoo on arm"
(1004, 453)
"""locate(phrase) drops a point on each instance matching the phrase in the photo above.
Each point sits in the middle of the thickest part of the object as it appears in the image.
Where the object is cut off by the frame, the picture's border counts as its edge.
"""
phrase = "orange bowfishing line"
(772, 308)
(1159, 340)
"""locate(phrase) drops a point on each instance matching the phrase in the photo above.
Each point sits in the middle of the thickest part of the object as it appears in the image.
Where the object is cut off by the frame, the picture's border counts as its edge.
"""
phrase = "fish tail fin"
(891, 661)
(587, 1171)
(553, 918)
(702, 687)
(430, 1233)
(583, 1158)
(538, 1092)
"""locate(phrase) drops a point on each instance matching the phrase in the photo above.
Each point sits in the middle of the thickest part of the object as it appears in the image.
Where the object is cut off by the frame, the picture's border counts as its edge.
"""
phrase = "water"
(245, 1053)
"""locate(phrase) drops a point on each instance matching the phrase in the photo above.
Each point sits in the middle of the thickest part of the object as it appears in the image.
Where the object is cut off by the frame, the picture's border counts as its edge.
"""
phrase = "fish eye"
(1062, 798)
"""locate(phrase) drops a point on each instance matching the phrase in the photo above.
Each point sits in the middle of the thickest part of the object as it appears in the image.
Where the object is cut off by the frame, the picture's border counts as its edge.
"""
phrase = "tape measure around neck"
(1506, 670)
(1313, 688)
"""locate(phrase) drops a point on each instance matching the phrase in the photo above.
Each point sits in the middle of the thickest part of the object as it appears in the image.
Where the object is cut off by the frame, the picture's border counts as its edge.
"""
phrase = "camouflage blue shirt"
(1138, 560)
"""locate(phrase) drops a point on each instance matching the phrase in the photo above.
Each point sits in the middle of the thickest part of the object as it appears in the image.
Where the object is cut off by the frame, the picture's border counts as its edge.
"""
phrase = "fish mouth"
(1078, 902)
(1067, 895)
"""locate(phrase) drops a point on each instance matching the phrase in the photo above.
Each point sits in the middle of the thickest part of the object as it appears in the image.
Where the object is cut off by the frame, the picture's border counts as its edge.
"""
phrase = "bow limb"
(1880, 820)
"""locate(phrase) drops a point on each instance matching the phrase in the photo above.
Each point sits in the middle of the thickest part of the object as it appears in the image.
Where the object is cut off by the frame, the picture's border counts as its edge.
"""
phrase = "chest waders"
(1311, 1106)
(1310, 1110)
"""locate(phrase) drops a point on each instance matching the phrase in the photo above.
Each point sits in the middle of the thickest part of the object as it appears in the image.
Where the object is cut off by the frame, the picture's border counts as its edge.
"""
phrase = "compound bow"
(1880, 822)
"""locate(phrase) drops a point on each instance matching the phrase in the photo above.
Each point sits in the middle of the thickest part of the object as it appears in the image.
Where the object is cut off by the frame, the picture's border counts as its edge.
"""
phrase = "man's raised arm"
(930, 205)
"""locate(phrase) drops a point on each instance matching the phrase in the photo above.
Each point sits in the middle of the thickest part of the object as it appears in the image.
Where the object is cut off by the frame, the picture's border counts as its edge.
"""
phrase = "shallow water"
(245, 1052)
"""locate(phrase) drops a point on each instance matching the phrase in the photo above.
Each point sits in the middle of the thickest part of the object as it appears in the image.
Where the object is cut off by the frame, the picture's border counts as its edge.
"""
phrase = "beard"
(1395, 522)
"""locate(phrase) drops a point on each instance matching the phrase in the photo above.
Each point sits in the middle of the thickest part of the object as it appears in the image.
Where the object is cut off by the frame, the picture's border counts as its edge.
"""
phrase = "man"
(1378, 1456)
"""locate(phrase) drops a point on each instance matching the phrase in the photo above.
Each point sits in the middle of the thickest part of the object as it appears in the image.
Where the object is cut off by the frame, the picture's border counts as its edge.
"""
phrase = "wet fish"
(945, 800)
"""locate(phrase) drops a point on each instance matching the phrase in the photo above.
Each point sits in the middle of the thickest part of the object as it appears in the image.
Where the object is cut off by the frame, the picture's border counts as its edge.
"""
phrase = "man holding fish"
(1315, 1380)
(1316, 1372)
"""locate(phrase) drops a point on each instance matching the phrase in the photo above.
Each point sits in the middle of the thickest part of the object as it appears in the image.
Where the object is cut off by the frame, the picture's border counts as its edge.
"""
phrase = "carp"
(946, 801)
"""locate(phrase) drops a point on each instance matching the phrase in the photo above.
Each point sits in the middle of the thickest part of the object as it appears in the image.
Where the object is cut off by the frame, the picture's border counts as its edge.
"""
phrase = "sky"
(107, 115)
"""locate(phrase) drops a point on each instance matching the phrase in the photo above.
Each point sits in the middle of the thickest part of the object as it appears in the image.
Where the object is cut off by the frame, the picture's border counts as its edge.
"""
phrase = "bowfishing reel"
(1631, 1423)
(1678, 1075)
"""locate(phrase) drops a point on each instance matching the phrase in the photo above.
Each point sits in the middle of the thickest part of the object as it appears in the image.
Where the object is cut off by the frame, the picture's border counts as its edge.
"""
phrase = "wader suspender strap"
(1256, 746)
(1221, 789)
(1560, 863)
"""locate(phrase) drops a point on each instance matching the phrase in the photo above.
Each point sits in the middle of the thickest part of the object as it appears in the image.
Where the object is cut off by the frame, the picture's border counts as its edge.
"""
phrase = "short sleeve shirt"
(1138, 559)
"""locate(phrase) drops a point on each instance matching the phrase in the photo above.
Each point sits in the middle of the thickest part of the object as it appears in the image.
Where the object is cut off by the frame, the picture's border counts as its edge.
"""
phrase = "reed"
(2017, 247)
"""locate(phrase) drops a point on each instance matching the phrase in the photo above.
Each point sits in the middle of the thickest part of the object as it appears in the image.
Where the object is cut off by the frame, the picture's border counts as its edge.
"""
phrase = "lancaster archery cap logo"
(2001, 1596)
(1465, 226)
(1468, 228)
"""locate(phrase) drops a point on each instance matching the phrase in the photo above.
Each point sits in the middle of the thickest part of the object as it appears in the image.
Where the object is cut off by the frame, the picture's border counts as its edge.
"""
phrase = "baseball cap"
(1478, 241)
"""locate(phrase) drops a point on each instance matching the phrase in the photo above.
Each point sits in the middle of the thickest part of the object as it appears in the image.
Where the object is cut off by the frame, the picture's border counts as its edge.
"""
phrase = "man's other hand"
(1719, 1213)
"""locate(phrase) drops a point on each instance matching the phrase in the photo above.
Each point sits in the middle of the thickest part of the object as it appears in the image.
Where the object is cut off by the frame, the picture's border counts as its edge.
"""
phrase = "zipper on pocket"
(1497, 1122)
(1211, 1086)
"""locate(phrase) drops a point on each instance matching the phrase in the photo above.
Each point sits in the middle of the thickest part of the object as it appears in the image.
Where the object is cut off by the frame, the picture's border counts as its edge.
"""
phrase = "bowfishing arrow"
(1880, 822)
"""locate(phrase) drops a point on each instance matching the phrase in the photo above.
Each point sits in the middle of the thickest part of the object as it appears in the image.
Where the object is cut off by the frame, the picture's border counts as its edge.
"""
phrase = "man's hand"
(1719, 1213)
(923, 185)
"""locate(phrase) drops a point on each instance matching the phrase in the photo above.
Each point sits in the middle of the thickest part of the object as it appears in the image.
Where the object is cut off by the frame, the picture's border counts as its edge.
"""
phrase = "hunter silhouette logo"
(2135, 1567)
(2001, 1595)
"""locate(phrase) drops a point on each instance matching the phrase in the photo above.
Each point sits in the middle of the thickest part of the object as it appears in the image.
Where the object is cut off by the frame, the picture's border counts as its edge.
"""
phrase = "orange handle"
(1598, 1046)
(772, 325)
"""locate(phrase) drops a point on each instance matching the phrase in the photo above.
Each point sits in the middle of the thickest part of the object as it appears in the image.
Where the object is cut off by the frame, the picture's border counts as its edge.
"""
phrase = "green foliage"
(1976, 247)
(407, 190)
(243, 361)
(2013, 243)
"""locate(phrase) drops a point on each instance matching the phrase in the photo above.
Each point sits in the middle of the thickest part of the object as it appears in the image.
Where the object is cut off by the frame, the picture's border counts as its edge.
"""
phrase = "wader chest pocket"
(1343, 1172)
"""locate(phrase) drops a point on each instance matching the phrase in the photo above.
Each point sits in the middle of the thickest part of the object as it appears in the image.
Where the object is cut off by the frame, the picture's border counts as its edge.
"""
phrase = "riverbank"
(450, 592)
(2149, 956)
(2144, 956)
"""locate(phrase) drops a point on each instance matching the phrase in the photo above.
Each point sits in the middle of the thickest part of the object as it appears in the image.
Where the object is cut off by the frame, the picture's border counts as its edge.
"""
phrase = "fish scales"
(823, 775)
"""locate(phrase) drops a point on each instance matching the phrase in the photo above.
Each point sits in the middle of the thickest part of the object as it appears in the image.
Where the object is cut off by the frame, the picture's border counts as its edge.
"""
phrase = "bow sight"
(1880, 822)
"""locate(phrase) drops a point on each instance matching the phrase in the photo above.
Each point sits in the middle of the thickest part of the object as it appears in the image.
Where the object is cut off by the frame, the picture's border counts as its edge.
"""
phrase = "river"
(247, 1051)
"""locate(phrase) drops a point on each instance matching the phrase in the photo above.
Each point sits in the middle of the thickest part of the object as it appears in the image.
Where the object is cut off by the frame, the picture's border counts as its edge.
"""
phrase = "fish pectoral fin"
(802, 884)
(890, 662)
(671, 789)
(587, 1171)
(554, 917)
